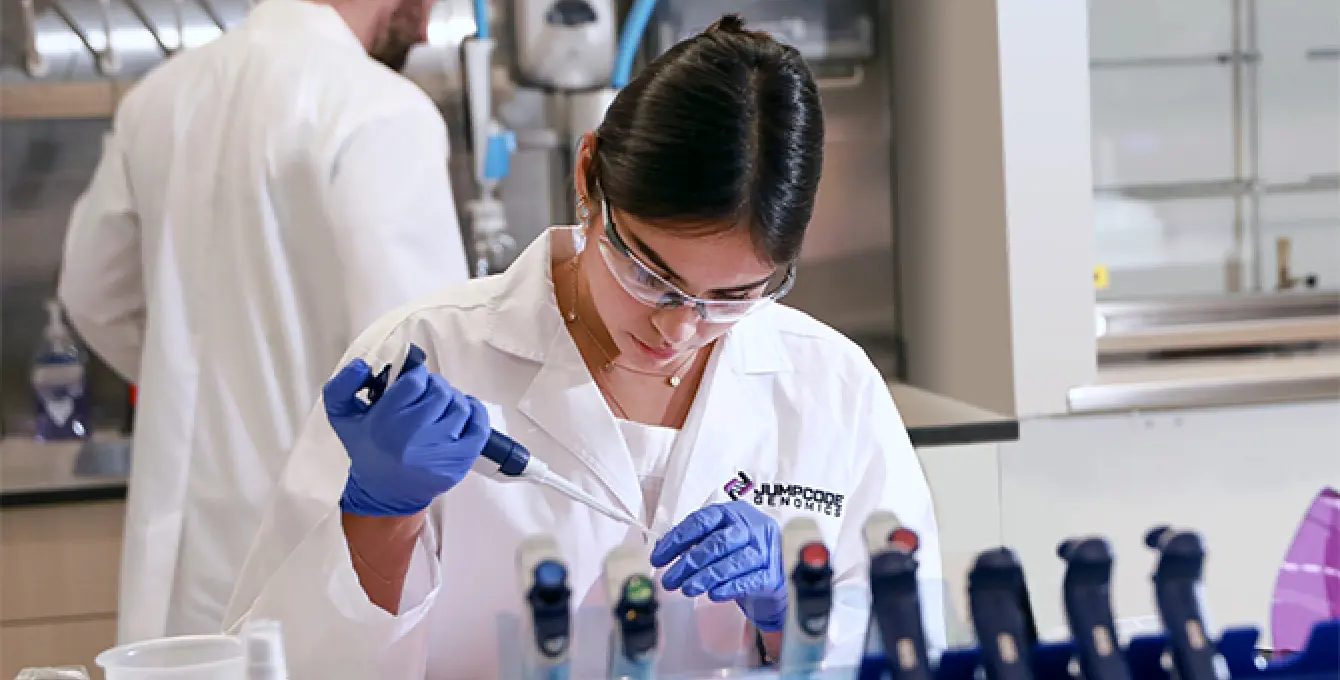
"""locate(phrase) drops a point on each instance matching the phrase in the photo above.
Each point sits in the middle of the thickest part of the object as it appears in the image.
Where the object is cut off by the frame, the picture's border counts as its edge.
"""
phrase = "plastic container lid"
(192, 657)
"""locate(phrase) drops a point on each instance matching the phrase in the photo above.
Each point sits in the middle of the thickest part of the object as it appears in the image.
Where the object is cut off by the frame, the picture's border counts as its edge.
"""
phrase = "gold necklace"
(607, 390)
(673, 379)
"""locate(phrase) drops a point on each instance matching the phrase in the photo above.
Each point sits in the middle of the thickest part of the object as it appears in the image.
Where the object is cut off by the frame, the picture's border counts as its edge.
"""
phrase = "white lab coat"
(785, 399)
(260, 200)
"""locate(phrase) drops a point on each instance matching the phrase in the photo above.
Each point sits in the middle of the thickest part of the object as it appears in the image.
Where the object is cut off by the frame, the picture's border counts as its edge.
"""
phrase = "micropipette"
(1181, 562)
(1087, 594)
(634, 636)
(513, 460)
(1002, 615)
(895, 631)
(810, 587)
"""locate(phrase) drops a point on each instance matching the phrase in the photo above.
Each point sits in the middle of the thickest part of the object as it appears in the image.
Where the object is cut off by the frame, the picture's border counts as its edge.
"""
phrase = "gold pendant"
(673, 380)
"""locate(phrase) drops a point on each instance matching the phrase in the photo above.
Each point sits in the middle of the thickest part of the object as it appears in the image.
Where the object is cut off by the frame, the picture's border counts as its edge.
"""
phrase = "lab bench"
(63, 515)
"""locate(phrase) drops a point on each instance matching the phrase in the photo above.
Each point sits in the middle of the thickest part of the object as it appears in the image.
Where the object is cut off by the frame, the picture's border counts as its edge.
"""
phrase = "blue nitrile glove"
(731, 551)
(415, 443)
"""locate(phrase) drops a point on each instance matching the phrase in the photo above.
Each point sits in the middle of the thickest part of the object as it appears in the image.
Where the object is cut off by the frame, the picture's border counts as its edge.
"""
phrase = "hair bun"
(728, 23)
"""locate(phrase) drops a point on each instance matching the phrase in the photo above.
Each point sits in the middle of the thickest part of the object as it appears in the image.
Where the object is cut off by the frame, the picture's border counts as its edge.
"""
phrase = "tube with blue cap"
(510, 460)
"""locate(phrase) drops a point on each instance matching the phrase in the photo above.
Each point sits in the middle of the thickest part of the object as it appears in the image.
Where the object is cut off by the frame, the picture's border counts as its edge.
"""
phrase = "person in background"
(642, 356)
(259, 201)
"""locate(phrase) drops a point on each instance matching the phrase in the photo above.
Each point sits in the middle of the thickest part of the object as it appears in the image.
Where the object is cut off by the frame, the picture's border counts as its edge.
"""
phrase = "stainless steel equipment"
(846, 276)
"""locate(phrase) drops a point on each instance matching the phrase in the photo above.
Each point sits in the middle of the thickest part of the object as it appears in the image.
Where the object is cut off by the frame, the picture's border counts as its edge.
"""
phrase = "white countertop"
(27, 466)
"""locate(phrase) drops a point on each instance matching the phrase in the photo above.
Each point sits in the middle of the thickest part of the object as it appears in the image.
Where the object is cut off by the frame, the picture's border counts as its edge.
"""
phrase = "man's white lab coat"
(260, 200)
(787, 401)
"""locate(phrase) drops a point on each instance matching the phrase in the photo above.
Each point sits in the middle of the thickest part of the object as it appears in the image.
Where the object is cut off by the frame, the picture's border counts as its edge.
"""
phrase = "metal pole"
(1235, 264)
(1252, 67)
(140, 14)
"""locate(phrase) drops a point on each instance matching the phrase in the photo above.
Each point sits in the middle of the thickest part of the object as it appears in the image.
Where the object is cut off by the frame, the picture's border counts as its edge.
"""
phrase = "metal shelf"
(1323, 54)
(1216, 59)
(1219, 188)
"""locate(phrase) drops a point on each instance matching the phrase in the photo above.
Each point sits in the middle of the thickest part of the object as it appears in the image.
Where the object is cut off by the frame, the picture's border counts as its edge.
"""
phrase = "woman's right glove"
(416, 442)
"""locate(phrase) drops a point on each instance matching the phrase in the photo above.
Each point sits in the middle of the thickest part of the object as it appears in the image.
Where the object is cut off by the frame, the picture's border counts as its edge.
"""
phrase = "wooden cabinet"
(57, 643)
(59, 567)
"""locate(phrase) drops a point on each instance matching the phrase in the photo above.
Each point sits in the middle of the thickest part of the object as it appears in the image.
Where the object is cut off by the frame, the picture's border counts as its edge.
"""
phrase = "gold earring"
(583, 213)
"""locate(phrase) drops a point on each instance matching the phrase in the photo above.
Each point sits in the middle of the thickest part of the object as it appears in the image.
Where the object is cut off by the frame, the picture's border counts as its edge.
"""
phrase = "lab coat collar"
(292, 18)
(723, 425)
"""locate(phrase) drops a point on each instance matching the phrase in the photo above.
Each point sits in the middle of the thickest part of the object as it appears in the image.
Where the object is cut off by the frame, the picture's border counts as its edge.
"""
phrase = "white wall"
(965, 481)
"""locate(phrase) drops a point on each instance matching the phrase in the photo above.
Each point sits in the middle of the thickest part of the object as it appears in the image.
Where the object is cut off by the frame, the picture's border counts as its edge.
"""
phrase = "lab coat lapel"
(729, 422)
(561, 399)
(564, 401)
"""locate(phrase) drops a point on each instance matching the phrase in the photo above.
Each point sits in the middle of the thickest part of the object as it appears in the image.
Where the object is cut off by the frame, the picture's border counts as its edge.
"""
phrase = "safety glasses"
(651, 289)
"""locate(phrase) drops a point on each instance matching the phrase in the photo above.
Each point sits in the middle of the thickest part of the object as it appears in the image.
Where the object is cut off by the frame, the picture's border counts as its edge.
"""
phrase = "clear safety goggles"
(651, 289)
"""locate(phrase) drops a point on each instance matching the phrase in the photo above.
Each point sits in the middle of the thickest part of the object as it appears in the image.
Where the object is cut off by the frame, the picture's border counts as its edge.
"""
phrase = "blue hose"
(633, 28)
(482, 18)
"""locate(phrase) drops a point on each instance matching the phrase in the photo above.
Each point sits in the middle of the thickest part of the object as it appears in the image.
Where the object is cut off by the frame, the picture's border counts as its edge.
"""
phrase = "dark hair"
(723, 129)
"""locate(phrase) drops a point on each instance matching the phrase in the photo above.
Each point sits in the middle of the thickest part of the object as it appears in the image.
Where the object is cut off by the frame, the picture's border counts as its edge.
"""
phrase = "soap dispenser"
(59, 376)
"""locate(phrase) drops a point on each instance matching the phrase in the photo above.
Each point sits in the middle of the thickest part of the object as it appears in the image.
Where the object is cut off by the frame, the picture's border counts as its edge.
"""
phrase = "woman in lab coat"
(641, 356)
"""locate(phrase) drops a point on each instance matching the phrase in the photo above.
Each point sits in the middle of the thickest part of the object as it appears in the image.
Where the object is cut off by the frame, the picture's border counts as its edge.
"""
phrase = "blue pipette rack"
(1051, 660)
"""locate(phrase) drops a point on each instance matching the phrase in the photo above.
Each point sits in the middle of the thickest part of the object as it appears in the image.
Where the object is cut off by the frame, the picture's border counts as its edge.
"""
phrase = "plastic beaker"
(189, 657)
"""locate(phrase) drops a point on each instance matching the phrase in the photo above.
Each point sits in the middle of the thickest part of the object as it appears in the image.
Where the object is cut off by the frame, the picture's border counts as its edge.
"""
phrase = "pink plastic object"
(1307, 591)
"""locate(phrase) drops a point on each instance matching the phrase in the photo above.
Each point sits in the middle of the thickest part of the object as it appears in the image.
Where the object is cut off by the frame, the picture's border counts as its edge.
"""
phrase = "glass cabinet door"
(1299, 86)
(1166, 166)
(1216, 145)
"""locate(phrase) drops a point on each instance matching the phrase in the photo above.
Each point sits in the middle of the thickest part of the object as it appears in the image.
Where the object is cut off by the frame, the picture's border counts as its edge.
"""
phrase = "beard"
(402, 33)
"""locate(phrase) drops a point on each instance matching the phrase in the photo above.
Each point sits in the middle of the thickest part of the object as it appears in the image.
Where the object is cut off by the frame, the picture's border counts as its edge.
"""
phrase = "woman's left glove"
(731, 551)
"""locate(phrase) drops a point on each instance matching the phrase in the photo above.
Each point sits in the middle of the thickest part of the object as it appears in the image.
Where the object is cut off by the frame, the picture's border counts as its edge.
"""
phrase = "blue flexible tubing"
(482, 18)
(633, 28)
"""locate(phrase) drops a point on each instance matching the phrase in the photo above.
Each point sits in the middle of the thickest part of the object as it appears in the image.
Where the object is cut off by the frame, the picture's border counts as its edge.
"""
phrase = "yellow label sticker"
(1100, 278)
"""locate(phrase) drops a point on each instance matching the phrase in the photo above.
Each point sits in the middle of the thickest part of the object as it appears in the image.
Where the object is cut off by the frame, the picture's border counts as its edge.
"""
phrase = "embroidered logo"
(738, 486)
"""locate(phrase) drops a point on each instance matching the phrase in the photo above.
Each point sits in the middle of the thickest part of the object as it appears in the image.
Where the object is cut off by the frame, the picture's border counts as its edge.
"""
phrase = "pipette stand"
(1237, 646)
